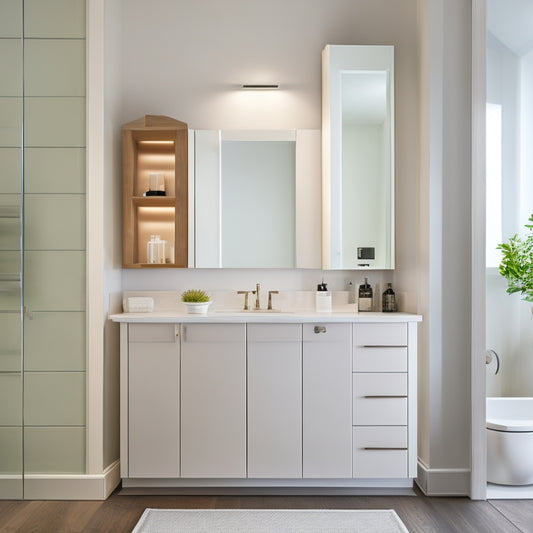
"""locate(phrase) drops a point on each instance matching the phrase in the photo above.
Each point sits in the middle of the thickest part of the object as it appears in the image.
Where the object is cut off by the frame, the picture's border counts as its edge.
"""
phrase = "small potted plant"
(196, 301)
(517, 263)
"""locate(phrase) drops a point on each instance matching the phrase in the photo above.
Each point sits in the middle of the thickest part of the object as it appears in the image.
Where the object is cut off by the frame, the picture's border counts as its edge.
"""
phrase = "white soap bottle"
(151, 250)
(322, 299)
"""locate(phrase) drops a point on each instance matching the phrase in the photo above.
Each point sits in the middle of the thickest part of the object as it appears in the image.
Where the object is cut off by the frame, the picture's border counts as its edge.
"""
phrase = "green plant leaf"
(516, 265)
(195, 296)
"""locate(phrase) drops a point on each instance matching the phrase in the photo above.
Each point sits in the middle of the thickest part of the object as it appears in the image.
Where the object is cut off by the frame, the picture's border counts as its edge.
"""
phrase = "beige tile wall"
(11, 446)
(56, 19)
(60, 450)
(10, 170)
(54, 67)
(42, 80)
(10, 332)
(54, 170)
(11, 67)
(11, 104)
(45, 350)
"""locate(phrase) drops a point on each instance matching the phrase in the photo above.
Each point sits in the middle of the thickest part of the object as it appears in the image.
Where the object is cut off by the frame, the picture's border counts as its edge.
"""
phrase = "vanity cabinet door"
(213, 401)
(274, 400)
(154, 401)
(327, 404)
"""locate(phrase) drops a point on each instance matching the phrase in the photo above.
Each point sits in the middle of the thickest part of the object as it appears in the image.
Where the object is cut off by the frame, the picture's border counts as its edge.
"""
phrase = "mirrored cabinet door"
(257, 199)
(358, 157)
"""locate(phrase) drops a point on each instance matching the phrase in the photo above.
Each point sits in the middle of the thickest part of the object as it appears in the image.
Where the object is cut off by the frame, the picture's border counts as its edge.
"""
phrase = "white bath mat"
(269, 521)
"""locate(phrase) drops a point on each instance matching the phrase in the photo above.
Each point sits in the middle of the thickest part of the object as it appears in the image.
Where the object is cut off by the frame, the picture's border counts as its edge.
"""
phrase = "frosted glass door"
(42, 242)
(10, 250)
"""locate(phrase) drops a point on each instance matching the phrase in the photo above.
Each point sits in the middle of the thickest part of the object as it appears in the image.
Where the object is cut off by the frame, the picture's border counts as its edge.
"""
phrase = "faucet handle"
(270, 293)
(246, 293)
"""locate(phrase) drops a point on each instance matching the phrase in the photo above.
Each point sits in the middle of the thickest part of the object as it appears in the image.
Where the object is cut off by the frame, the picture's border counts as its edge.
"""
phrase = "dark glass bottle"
(388, 302)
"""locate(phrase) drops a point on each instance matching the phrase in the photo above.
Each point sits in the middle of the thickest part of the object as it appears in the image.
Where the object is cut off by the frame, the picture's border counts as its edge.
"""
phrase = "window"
(494, 184)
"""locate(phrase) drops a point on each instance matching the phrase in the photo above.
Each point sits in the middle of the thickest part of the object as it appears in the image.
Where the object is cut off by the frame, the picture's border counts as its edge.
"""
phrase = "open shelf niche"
(155, 144)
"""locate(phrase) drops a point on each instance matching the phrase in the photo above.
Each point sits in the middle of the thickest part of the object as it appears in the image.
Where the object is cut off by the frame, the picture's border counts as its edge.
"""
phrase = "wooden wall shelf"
(155, 144)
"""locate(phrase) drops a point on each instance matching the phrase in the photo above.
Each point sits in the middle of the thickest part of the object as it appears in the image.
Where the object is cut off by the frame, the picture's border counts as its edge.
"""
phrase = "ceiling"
(511, 22)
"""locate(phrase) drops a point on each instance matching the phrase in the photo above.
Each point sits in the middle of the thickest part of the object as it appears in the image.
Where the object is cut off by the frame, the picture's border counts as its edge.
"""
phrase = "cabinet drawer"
(379, 399)
(380, 452)
(327, 332)
(391, 334)
(213, 333)
(380, 359)
(152, 332)
(274, 332)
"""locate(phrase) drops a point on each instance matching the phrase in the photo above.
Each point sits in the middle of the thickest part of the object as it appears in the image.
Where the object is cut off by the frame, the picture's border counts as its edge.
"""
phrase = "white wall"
(444, 249)
(186, 60)
(113, 224)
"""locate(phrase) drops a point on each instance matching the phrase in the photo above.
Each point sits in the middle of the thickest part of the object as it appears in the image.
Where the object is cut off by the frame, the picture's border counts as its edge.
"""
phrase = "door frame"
(478, 479)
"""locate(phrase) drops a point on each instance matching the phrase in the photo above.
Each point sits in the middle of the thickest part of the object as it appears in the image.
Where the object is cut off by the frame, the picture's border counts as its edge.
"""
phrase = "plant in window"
(517, 263)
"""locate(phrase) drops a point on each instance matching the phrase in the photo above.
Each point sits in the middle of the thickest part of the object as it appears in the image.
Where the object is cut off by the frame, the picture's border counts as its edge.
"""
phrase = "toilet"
(510, 441)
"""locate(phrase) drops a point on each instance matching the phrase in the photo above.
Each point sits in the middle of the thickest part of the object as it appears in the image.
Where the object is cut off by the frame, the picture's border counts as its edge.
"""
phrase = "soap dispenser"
(365, 297)
(323, 298)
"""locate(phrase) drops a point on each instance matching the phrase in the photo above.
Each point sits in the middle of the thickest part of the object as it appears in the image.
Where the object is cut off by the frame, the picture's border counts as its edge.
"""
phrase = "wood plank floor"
(119, 513)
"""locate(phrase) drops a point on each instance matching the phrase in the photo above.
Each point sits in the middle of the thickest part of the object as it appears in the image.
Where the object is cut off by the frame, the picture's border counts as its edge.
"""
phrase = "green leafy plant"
(195, 296)
(517, 263)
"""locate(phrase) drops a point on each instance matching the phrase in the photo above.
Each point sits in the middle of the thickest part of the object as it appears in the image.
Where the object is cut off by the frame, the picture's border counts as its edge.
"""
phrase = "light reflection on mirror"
(365, 168)
(258, 204)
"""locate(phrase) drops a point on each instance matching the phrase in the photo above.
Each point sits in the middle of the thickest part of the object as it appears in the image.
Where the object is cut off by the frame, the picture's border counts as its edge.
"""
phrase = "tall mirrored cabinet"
(358, 157)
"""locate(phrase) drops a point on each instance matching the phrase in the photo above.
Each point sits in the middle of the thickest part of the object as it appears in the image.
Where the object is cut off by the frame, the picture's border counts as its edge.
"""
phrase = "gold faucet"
(256, 292)
(270, 293)
(246, 293)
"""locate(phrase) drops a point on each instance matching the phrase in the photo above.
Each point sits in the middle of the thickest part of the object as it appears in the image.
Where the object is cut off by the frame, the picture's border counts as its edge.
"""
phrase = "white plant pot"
(197, 308)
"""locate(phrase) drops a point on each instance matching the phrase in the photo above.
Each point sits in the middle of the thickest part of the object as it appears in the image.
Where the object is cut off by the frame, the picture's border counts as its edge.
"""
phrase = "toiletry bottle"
(388, 300)
(161, 246)
(323, 299)
(150, 250)
(365, 296)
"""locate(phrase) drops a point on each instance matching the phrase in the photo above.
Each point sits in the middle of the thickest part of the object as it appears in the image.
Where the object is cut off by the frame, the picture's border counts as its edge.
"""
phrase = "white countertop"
(229, 316)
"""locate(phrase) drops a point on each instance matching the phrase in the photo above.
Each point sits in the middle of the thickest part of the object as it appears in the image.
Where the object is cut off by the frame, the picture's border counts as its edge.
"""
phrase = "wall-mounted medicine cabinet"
(358, 157)
(155, 193)
(257, 198)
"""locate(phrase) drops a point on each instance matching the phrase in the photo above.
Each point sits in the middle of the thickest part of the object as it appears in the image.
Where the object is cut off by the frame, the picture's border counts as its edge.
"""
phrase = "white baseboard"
(72, 487)
(443, 481)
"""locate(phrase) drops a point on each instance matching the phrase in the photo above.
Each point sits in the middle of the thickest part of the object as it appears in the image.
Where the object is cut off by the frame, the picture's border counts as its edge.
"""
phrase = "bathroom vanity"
(268, 401)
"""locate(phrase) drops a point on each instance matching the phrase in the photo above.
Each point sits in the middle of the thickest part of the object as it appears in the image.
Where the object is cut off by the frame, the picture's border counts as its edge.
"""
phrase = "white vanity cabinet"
(384, 396)
(153, 401)
(327, 390)
(213, 400)
(274, 400)
(218, 402)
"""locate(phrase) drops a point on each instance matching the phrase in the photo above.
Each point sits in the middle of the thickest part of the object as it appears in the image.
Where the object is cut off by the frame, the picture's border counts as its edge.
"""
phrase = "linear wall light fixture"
(260, 87)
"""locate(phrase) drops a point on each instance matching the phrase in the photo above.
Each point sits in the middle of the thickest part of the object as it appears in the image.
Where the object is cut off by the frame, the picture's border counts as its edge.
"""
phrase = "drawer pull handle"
(374, 396)
(320, 329)
(372, 448)
(384, 345)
